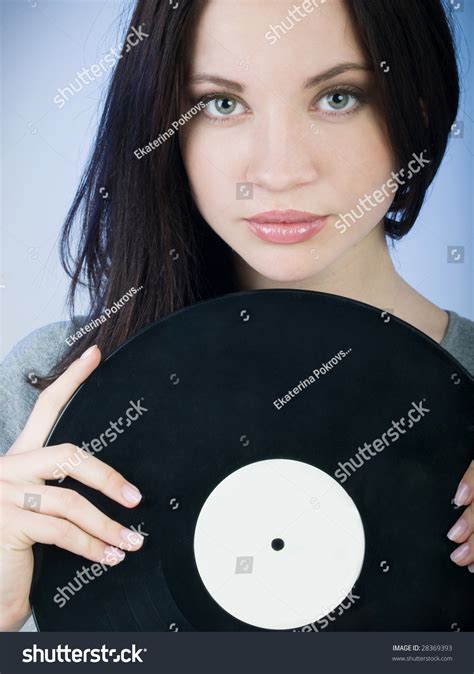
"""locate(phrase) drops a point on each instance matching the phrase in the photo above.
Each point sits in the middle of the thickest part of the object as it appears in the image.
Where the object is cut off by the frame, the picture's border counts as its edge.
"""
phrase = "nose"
(282, 157)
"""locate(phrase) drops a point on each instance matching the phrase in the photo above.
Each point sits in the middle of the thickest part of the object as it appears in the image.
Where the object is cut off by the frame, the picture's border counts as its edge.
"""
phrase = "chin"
(289, 269)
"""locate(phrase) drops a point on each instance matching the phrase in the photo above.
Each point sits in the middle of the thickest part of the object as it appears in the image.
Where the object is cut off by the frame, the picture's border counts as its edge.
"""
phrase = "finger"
(465, 491)
(53, 399)
(39, 528)
(464, 527)
(58, 461)
(463, 555)
(69, 505)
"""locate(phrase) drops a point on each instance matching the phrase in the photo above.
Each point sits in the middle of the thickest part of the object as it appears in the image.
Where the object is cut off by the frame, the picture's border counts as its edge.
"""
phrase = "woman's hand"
(60, 516)
(463, 531)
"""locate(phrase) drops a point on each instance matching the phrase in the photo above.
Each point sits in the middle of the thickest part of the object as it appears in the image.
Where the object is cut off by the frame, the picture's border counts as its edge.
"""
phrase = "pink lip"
(286, 226)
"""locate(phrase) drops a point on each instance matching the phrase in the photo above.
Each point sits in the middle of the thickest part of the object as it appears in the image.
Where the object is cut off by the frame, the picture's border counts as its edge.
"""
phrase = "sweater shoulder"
(459, 340)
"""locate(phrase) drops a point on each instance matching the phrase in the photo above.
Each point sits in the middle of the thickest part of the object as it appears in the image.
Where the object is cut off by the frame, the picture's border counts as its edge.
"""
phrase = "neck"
(365, 273)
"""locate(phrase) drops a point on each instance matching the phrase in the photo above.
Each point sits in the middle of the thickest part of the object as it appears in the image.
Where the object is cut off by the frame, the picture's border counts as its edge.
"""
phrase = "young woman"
(302, 142)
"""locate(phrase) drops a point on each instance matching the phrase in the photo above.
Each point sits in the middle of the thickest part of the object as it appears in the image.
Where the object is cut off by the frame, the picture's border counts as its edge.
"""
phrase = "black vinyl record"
(298, 454)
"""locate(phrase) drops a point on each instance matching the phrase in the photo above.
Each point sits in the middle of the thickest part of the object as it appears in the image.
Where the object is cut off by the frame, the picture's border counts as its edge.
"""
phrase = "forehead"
(229, 39)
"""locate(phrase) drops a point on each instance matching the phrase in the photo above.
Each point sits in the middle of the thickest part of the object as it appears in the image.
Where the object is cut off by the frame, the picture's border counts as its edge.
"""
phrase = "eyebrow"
(339, 69)
(334, 71)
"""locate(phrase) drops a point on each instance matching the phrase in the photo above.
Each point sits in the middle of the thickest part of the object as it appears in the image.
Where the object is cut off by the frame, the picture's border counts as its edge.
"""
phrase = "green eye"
(223, 107)
(339, 101)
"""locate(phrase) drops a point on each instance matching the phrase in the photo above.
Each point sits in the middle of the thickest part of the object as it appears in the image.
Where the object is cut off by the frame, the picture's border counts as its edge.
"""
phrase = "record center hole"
(278, 544)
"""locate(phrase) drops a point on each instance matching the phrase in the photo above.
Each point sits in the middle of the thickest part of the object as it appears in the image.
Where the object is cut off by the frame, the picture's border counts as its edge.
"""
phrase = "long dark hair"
(148, 232)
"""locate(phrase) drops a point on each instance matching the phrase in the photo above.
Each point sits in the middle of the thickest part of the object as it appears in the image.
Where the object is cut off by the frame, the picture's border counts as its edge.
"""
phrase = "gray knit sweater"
(39, 351)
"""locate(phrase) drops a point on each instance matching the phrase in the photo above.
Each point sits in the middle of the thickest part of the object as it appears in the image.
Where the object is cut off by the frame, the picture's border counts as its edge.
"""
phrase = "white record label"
(279, 544)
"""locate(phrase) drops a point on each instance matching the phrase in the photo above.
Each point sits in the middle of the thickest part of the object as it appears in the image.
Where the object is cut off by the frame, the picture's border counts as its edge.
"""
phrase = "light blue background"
(44, 45)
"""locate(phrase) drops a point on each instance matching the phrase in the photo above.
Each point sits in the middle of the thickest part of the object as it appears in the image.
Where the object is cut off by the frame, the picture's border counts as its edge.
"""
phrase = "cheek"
(213, 168)
(358, 160)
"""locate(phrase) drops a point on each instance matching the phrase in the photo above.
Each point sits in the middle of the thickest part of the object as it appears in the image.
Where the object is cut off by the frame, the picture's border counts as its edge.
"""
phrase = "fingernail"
(88, 352)
(462, 494)
(131, 493)
(132, 537)
(458, 529)
(471, 568)
(460, 553)
(113, 554)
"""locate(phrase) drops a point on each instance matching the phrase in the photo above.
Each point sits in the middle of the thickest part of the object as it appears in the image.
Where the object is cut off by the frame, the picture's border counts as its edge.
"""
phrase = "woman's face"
(296, 144)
